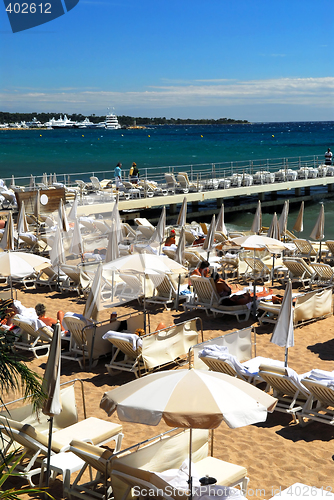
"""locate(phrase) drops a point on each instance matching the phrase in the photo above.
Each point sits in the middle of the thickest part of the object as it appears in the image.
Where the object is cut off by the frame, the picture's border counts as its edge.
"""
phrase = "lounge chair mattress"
(226, 473)
(92, 429)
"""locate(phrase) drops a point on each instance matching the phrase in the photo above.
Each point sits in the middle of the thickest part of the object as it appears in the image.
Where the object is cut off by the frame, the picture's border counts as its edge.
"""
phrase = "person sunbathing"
(223, 289)
(236, 300)
(202, 269)
(41, 310)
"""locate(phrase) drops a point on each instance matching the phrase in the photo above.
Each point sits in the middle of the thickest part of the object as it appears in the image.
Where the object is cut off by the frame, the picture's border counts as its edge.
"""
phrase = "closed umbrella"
(182, 218)
(116, 218)
(283, 220)
(318, 232)
(208, 244)
(112, 247)
(12, 182)
(37, 205)
(273, 231)
(283, 335)
(54, 179)
(7, 240)
(257, 221)
(179, 252)
(220, 224)
(159, 232)
(62, 218)
(45, 179)
(51, 387)
(93, 300)
(32, 183)
(299, 224)
(192, 399)
(76, 243)
(72, 216)
(22, 224)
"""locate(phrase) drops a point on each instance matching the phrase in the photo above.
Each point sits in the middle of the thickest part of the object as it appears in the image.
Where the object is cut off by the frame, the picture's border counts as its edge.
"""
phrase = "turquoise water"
(76, 151)
(63, 151)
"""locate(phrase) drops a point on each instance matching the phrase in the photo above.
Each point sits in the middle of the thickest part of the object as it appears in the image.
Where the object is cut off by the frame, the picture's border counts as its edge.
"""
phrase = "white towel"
(178, 478)
(129, 337)
(322, 376)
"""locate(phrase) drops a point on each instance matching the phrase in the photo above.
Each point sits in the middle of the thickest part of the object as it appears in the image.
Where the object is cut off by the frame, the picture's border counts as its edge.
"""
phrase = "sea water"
(25, 152)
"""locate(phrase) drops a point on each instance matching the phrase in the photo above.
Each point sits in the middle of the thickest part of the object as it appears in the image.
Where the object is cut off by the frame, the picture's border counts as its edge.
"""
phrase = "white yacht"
(86, 124)
(60, 123)
(112, 122)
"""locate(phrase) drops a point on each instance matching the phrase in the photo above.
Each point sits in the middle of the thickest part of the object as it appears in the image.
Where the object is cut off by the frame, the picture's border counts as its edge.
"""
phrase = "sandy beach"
(276, 454)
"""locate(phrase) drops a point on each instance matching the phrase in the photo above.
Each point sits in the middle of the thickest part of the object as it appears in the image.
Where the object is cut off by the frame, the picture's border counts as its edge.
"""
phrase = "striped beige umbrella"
(7, 241)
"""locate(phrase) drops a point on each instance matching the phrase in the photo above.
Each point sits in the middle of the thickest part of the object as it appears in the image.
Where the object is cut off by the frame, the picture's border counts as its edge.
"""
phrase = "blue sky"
(259, 60)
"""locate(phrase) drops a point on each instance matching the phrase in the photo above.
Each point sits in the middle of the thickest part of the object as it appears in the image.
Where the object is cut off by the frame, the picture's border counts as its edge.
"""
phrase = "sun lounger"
(165, 290)
(320, 404)
(35, 337)
(152, 351)
(257, 270)
(50, 278)
(171, 182)
(187, 186)
(77, 277)
(305, 249)
(329, 255)
(299, 271)
(143, 465)
(35, 444)
(287, 388)
(323, 275)
(86, 344)
(205, 294)
(306, 306)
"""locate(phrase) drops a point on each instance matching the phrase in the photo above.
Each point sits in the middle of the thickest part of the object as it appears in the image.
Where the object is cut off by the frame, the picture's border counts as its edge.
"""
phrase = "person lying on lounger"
(236, 300)
(222, 287)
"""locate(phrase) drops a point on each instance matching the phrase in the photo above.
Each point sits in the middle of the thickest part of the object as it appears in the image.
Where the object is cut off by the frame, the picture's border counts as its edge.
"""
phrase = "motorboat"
(60, 123)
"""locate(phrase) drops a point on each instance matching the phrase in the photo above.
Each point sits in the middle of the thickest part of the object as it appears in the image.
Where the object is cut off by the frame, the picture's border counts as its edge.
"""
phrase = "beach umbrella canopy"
(283, 220)
(7, 240)
(318, 232)
(159, 232)
(210, 237)
(255, 242)
(283, 335)
(72, 216)
(94, 298)
(21, 264)
(179, 252)
(182, 218)
(220, 224)
(299, 224)
(257, 221)
(145, 263)
(193, 399)
(22, 224)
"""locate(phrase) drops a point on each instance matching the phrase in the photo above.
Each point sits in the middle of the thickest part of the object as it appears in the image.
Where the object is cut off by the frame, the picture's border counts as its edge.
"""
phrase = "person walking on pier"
(118, 175)
(328, 157)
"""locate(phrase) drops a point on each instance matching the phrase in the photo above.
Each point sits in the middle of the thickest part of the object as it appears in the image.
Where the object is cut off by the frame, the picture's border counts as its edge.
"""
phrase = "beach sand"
(276, 454)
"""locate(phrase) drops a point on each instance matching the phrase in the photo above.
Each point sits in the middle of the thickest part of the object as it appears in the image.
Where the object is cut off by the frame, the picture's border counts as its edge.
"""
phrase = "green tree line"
(123, 120)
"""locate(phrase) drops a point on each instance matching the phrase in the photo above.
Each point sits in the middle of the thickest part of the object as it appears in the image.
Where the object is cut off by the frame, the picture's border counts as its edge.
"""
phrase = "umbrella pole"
(254, 299)
(320, 252)
(49, 453)
(190, 481)
(273, 271)
(286, 357)
(178, 293)
(145, 303)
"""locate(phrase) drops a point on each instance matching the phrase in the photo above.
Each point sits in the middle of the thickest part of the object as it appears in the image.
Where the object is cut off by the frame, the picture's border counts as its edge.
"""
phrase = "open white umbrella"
(257, 221)
(318, 232)
(145, 263)
(299, 224)
(256, 241)
(283, 332)
(21, 264)
(182, 218)
(193, 399)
